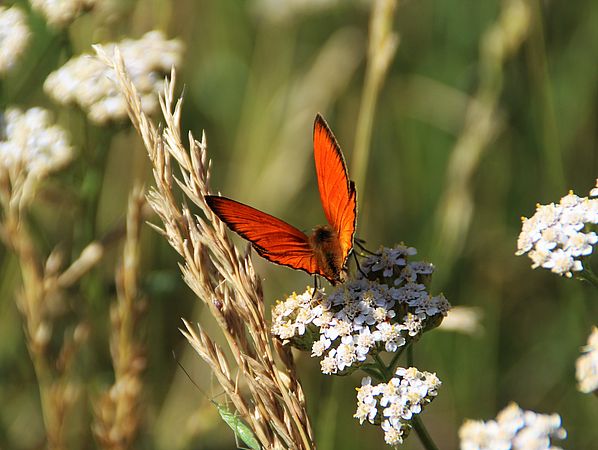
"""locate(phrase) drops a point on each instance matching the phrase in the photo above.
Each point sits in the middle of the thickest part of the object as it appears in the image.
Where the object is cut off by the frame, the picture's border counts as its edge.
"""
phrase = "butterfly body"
(325, 244)
(325, 251)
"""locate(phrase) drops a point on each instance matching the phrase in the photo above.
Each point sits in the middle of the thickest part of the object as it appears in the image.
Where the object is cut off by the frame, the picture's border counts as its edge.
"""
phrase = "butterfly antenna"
(191, 379)
(360, 243)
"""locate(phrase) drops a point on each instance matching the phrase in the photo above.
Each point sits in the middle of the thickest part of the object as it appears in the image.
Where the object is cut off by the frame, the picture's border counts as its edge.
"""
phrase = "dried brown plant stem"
(118, 412)
(42, 300)
(36, 302)
(221, 277)
(37, 326)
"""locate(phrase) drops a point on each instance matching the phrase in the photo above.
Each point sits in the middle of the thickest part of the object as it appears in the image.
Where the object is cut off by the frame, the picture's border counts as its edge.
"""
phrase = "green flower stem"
(382, 367)
(374, 371)
(416, 421)
(395, 360)
(422, 433)
(31, 77)
(590, 277)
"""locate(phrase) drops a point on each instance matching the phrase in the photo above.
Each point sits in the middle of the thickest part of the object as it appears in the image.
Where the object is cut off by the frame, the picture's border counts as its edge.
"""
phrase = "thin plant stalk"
(482, 124)
(383, 43)
(118, 413)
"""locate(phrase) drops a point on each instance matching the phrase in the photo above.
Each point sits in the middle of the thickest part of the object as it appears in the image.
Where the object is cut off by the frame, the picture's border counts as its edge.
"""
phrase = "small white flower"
(320, 346)
(587, 365)
(88, 82)
(14, 36)
(364, 341)
(387, 261)
(422, 268)
(329, 364)
(514, 429)
(413, 324)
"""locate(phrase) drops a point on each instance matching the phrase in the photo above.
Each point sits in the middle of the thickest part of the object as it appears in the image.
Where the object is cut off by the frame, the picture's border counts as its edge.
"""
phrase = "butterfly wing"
(272, 238)
(337, 192)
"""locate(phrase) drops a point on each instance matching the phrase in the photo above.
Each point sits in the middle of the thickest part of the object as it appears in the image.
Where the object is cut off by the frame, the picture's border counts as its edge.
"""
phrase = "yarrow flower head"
(392, 405)
(31, 147)
(86, 81)
(364, 316)
(587, 365)
(61, 13)
(557, 236)
(14, 36)
(30, 142)
(514, 429)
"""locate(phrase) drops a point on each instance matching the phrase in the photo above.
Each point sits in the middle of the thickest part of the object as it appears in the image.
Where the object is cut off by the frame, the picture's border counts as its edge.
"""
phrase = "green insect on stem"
(240, 429)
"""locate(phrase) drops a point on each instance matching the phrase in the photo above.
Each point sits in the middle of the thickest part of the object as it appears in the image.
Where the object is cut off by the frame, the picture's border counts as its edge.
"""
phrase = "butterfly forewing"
(272, 238)
(337, 193)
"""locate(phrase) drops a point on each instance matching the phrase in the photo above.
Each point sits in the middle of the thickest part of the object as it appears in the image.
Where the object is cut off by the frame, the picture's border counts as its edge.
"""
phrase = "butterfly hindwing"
(272, 238)
(337, 192)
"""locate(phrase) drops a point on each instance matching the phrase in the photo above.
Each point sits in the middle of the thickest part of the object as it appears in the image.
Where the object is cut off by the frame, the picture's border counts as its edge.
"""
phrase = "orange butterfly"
(326, 250)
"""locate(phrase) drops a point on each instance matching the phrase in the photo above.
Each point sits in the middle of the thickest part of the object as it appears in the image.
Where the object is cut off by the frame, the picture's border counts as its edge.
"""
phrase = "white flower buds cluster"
(387, 306)
(587, 365)
(61, 13)
(14, 36)
(392, 405)
(514, 429)
(31, 144)
(557, 237)
(86, 81)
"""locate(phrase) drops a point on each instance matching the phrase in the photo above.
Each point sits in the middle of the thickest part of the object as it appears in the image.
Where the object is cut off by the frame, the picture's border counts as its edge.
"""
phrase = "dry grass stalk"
(222, 277)
(118, 413)
(383, 44)
(482, 124)
(41, 301)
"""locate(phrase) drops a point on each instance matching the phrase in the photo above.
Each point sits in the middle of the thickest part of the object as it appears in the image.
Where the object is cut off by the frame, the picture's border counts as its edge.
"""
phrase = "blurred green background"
(255, 73)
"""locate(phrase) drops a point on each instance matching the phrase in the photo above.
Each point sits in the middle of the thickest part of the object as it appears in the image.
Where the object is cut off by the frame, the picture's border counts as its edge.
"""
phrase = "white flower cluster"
(88, 82)
(514, 429)
(31, 144)
(14, 36)
(62, 12)
(363, 316)
(393, 404)
(554, 236)
(587, 365)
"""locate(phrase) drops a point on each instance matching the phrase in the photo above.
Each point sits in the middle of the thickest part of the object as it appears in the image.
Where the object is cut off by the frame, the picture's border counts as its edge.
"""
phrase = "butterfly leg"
(316, 287)
(358, 266)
